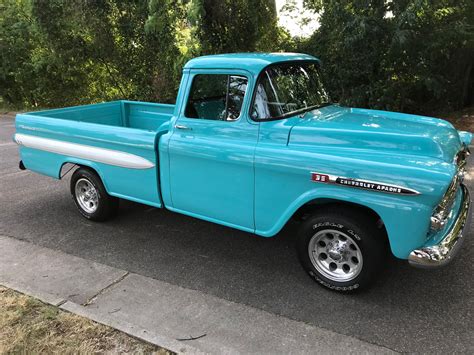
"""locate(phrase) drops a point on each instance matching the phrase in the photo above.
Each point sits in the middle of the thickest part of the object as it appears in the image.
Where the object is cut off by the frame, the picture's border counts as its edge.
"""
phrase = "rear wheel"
(90, 196)
(342, 250)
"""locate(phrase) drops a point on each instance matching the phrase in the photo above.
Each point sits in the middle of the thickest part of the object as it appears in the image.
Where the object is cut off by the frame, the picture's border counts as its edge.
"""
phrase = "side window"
(216, 97)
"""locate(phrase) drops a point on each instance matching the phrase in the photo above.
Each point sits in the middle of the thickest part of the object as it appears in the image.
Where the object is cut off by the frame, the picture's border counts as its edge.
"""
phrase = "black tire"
(354, 227)
(103, 206)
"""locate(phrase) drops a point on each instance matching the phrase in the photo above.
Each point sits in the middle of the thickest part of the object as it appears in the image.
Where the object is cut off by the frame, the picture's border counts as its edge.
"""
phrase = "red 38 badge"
(319, 177)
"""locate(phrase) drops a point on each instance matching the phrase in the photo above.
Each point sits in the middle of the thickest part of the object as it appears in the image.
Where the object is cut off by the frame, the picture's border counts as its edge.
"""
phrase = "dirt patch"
(463, 120)
(30, 326)
(7, 114)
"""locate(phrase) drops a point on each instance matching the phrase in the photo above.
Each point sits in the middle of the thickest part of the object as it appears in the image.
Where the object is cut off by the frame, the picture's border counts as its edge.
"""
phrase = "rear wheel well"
(68, 167)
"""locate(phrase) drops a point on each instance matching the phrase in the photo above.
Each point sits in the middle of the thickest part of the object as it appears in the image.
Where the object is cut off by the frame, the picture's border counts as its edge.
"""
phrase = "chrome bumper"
(443, 252)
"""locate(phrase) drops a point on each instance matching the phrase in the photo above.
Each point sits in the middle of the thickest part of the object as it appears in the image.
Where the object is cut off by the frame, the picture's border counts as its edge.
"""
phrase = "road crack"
(103, 290)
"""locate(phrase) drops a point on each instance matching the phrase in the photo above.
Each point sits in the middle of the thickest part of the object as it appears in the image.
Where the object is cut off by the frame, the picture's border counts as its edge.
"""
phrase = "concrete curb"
(137, 332)
(131, 329)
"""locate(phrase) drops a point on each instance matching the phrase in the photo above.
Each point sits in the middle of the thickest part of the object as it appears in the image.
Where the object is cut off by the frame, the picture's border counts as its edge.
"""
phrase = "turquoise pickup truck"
(253, 142)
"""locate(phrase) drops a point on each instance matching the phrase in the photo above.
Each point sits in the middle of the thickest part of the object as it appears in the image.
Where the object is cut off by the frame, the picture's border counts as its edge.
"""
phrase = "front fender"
(466, 137)
(406, 219)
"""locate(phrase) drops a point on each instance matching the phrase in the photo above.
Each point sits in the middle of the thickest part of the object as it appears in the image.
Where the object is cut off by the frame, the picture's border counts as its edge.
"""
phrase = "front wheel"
(342, 251)
(90, 196)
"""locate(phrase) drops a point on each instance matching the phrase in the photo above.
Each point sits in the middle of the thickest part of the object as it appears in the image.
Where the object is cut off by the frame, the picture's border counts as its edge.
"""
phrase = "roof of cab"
(253, 62)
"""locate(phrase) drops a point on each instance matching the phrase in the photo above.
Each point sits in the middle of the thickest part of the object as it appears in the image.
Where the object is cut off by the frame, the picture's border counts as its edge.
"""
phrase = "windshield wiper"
(303, 114)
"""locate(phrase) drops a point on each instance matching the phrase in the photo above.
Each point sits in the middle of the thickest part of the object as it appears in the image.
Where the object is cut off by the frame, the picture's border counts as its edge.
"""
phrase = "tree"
(58, 53)
(226, 26)
(407, 55)
(109, 38)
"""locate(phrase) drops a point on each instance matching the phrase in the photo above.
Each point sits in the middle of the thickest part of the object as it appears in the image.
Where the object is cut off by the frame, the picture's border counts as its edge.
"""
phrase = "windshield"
(288, 89)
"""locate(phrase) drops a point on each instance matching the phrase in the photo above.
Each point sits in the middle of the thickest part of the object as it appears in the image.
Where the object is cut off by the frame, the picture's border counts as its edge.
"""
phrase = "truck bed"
(116, 139)
(132, 114)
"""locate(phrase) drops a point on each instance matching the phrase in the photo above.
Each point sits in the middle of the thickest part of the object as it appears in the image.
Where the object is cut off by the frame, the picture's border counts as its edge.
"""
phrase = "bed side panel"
(124, 157)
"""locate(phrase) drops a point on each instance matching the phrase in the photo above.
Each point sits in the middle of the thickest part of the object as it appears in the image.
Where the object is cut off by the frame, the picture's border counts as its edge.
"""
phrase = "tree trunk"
(468, 91)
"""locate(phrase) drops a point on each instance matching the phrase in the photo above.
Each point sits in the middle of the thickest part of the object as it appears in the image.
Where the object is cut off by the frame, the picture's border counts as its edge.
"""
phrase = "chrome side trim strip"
(100, 155)
(362, 184)
(443, 252)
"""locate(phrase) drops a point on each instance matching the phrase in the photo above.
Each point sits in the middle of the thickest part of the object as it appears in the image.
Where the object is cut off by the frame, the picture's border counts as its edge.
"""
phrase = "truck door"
(211, 150)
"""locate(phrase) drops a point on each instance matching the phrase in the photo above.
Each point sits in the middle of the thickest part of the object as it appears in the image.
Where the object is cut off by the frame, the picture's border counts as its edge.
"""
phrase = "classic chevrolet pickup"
(253, 142)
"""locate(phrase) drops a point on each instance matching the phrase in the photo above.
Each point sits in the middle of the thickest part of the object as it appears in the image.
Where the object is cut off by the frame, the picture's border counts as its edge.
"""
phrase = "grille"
(447, 201)
(444, 207)
(461, 157)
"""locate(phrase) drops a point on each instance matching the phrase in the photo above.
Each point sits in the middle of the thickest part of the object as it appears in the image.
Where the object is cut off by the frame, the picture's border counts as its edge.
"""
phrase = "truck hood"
(396, 133)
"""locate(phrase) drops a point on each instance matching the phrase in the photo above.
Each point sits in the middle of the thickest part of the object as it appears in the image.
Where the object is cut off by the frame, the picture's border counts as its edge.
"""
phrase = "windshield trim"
(289, 114)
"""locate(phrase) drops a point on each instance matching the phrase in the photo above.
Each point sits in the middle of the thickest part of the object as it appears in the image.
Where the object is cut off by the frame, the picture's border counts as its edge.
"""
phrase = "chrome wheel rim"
(86, 195)
(335, 255)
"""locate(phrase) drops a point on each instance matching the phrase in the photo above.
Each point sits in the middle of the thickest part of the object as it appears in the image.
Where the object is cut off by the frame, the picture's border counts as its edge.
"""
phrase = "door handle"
(180, 126)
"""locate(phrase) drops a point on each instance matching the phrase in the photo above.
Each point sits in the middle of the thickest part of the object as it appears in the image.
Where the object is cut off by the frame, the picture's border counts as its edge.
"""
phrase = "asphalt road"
(408, 310)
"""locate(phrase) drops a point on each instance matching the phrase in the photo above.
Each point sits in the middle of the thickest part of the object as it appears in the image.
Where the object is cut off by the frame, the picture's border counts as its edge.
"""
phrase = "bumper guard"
(443, 252)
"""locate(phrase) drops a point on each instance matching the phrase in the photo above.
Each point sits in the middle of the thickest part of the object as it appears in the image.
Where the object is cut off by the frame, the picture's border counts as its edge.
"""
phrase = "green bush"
(406, 55)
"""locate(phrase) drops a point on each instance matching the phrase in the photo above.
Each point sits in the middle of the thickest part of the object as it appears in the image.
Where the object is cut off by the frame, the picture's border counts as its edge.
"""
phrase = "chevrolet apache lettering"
(253, 142)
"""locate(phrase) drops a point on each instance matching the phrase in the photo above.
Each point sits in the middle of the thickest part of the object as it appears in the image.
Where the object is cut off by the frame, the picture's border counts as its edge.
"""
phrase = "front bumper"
(443, 252)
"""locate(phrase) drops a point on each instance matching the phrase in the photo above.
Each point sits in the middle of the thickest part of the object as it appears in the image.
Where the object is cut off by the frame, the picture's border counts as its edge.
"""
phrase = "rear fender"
(83, 163)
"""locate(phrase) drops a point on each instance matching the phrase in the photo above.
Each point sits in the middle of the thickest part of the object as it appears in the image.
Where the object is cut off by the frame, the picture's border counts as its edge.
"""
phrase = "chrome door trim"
(180, 126)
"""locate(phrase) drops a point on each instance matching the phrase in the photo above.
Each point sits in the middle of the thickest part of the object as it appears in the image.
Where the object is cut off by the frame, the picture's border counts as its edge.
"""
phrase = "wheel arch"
(311, 206)
(64, 169)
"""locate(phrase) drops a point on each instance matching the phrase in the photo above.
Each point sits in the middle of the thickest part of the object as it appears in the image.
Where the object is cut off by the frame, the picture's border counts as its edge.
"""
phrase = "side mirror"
(254, 114)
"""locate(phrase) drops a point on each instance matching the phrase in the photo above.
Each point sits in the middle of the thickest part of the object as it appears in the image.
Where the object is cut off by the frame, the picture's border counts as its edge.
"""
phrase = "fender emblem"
(362, 184)
(319, 177)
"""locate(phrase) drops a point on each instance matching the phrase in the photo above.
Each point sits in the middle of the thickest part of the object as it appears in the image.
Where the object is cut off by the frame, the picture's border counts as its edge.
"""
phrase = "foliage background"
(404, 55)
